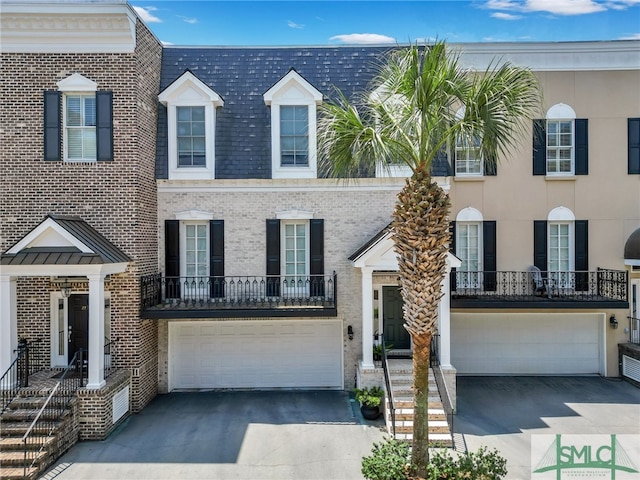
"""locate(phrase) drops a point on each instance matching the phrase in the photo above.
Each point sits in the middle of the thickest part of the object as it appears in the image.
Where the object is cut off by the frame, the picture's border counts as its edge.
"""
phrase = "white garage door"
(255, 354)
(527, 344)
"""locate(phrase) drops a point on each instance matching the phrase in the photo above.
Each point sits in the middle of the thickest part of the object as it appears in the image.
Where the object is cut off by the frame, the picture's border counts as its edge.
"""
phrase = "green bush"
(388, 461)
(391, 460)
(370, 397)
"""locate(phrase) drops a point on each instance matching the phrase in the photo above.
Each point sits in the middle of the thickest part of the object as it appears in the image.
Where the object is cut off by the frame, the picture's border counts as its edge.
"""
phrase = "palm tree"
(420, 102)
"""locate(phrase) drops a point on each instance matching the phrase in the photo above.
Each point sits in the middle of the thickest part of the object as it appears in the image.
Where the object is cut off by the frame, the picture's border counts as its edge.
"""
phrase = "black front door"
(78, 333)
(395, 334)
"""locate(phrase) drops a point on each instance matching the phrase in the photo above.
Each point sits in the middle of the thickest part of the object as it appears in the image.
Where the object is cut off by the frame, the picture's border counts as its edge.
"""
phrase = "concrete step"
(16, 458)
(441, 440)
(27, 415)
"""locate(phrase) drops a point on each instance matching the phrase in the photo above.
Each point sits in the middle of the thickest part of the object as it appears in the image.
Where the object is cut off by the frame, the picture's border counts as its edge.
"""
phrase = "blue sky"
(347, 22)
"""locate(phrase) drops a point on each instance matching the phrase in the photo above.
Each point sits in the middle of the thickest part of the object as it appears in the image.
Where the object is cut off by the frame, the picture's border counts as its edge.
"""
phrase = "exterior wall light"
(350, 332)
(613, 322)
(65, 289)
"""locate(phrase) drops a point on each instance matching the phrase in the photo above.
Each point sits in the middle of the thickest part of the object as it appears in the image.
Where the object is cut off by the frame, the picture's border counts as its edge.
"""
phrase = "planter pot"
(370, 413)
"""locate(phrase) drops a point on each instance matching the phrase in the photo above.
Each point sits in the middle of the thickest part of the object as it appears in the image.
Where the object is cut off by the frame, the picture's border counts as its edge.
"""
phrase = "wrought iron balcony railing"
(539, 289)
(634, 330)
(238, 292)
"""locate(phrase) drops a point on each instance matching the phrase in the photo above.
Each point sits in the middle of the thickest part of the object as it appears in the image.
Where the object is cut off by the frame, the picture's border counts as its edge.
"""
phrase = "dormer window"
(191, 124)
(293, 103)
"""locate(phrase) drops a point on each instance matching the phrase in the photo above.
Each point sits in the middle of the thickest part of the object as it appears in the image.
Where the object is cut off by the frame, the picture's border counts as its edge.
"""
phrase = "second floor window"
(191, 137)
(80, 127)
(294, 135)
(559, 146)
(468, 158)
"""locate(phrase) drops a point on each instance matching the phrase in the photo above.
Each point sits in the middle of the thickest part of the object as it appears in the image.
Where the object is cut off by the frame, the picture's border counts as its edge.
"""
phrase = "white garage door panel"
(517, 344)
(261, 354)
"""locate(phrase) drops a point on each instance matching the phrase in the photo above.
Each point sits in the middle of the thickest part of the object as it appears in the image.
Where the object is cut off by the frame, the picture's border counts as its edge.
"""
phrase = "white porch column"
(8, 322)
(96, 331)
(367, 318)
(444, 321)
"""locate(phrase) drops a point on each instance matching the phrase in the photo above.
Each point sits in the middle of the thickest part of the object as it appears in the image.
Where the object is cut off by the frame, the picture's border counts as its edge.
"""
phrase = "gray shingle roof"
(241, 76)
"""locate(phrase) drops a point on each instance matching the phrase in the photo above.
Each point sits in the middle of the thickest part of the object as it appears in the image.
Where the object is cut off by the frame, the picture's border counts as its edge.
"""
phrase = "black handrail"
(51, 412)
(603, 285)
(239, 291)
(110, 357)
(387, 382)
(17, 375)
(434, 351)
(634, 330)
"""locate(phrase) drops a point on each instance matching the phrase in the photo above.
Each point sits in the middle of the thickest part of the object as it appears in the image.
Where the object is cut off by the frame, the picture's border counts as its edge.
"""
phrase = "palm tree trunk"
(421, 236)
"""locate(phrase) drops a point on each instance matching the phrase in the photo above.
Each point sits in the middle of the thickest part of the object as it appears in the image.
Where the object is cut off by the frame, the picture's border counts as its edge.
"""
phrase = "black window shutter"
(52, 136)
(633, 135)
(539, 147)
(582, 146)
(452, 249)
(104, 126)
(273, 257)
(540, 244)
(172, 258)
(316, 256)
(582, 254)
(489, 255)
(216, 258)
(491, 166)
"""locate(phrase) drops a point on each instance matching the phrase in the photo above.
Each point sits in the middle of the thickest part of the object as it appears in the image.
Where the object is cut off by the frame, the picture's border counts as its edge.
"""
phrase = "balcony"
(534, 289)
(239, 296)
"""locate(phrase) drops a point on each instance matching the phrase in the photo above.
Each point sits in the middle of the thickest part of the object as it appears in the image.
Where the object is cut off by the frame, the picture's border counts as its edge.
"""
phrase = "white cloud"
(635, 36)
(146, 15)
(298, 26)
(506, 16)
(557, 7)
(190, 20)
(363, 38)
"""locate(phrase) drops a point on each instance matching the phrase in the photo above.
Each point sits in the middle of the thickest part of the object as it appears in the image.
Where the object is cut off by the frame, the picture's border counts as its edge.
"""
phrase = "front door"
(78, 327)
(395, 335)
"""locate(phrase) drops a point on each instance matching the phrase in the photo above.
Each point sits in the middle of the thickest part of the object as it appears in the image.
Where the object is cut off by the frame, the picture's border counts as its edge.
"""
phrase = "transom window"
(191, 137)
(560, 140)
(80, 127)
(468, 157)
(294, 135)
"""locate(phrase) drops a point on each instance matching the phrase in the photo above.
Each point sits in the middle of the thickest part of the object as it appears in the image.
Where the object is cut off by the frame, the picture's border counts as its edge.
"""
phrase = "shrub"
(389, 460)
(371, 397)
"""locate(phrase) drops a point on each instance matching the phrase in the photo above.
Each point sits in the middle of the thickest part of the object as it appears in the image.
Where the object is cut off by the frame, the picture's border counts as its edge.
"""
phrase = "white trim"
(289, 185)
(69, 27)
(394, 170)
(77, 83)
(62, 270)
(194, 215)
(183, 246)
(294, 215)
(44, 231)
(469, 214)
(560, 111)
(293, 90)
(189, 91)
(561, 214)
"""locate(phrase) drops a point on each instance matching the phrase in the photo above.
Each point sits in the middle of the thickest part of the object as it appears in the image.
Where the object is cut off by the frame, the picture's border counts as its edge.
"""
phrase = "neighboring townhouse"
(163, 207)
(272, 276)
(78, 96)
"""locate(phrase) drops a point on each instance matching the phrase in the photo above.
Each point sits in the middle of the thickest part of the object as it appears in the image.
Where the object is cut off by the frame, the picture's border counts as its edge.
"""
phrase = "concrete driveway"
(231, 435)
(503, 412)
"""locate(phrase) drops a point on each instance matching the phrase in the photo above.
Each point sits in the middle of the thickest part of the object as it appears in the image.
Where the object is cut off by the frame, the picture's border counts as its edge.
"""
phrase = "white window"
(469, 248)
(293, 103)
(560, 141)
(191, 124)
(294, 135)
(78, 117)
(468, 158)
(192, 150)
(194, 259)
(295, 257)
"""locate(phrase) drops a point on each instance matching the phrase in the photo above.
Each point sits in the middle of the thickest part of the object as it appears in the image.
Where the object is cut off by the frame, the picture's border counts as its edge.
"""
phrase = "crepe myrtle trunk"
(421, 235)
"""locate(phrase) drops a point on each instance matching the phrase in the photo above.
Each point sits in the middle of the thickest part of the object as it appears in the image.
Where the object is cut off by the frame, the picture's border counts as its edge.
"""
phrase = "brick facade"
(117, 198)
